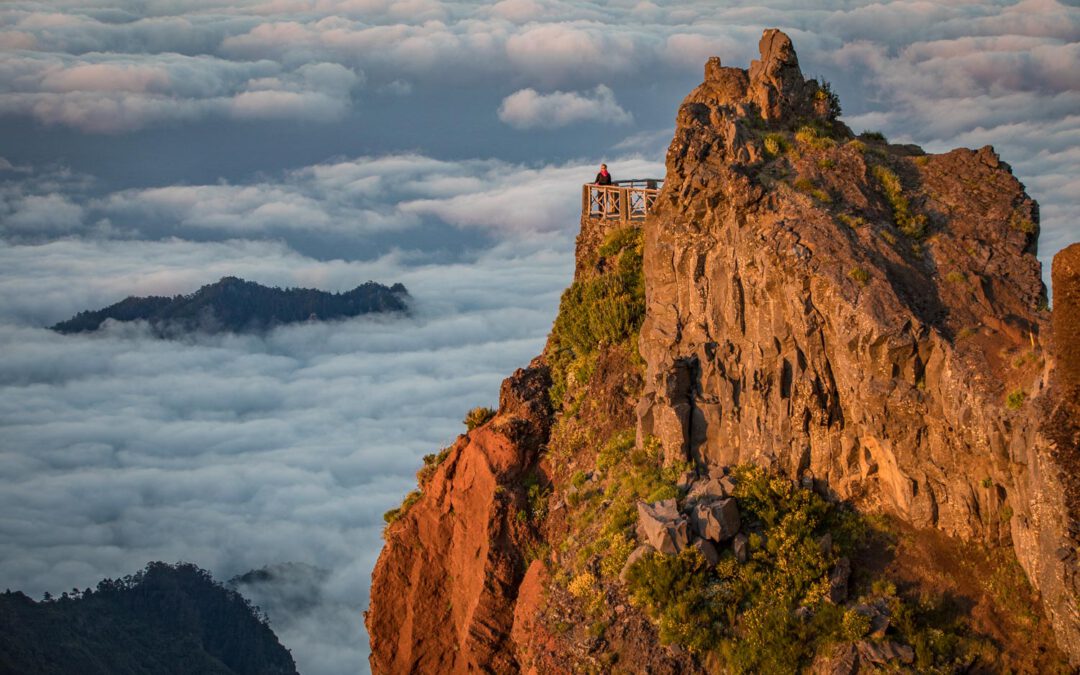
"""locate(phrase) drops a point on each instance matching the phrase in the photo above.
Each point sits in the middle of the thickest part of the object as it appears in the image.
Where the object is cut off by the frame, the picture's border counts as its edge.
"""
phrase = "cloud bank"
(238, 452)
(528, 109)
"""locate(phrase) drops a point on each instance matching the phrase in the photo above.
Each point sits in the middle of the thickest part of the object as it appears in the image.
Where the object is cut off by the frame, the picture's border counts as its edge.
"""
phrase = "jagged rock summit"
(864, 320)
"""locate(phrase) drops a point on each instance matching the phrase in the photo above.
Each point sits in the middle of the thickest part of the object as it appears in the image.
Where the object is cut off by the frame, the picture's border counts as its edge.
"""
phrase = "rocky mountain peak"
(860, 321)
(773, 87)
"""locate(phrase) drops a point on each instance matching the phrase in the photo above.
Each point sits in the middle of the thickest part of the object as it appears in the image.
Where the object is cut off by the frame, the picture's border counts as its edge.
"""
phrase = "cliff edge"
(809, 326)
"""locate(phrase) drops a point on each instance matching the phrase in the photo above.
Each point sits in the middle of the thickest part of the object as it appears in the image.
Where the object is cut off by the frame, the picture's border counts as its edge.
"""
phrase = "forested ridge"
(163, 619)
(235, 305)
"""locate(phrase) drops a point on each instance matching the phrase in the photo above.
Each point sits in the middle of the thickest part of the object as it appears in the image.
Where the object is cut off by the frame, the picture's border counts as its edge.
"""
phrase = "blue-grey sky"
(150, 147)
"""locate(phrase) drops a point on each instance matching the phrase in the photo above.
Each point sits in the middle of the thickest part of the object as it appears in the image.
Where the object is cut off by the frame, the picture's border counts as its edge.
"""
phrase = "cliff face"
(862, 317)
(444, 587)
(799, 317)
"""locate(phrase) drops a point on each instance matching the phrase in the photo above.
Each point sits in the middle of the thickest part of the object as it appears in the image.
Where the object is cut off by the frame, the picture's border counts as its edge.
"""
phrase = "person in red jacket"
(603, 178)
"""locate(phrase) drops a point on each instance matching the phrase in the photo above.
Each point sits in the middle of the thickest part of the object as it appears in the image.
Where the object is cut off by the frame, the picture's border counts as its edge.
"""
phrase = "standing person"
(603, 178)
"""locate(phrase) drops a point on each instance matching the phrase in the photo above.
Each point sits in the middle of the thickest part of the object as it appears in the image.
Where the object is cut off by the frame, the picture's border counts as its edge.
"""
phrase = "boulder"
(741, 546)
(838, 581)
(825, 543)
(716, 520)
(843, 659)
(635, 555)
(662, 526)
(879, 615)
(885, 653)
(706, 489)
(708, 551)
(686, 480)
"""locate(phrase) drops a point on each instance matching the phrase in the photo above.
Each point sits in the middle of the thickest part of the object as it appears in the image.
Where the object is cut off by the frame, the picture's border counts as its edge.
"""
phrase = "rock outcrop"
(862, 315)
(444, 588)
(865, 318)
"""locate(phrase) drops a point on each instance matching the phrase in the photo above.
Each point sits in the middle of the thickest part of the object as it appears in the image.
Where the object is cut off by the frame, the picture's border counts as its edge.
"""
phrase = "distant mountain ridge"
(238, 306)
(164, 619)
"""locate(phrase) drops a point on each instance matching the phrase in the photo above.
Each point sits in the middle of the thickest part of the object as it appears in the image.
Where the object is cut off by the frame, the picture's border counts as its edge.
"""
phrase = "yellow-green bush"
(745, 613)
(478, 417)
(813, 137)
(603, 310)
(393, 514)
(431, 463)
(911, 224)
(1015, 399)
(775, 144)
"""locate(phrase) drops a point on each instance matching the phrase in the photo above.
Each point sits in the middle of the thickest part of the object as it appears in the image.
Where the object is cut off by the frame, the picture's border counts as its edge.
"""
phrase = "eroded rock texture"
(792, 322)
(444, 588)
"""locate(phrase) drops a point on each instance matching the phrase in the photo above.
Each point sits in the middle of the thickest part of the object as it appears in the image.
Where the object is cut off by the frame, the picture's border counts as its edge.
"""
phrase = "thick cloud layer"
(238, 452)
(936, 73)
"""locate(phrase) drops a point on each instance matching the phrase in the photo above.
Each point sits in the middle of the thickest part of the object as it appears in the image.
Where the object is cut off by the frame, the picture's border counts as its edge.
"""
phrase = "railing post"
(624, 205)
(585, 210)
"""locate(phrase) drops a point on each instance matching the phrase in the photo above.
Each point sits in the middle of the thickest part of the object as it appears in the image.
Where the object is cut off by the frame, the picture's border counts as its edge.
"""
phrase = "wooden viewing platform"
(623, 200)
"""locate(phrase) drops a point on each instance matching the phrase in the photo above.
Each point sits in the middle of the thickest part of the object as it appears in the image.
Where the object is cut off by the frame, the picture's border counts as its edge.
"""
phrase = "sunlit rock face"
(861, 314)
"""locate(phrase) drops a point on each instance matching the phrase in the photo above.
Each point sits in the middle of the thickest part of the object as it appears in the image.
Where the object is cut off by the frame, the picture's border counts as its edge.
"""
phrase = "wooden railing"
(623, 200)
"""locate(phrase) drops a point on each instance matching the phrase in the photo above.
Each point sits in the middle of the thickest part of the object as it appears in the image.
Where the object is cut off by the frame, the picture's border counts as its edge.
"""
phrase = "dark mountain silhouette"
(164, 619)
(234, 305)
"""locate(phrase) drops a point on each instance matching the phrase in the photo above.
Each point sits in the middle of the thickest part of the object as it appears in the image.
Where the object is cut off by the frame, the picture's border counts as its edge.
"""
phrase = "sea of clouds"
(242, 451)
(122, 174)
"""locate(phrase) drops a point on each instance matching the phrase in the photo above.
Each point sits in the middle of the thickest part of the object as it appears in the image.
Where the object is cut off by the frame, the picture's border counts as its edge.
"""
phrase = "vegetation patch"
(1021, 223)
(776, 144)
(812, 136)
(1015, 399)
(827, 97)
(431, 463)
(859, 275)
(393, 515)
(807, 186)
(911, 224)
(854, 222)
(606, 309)
(744, 614)
(773, 613)
(478, 417)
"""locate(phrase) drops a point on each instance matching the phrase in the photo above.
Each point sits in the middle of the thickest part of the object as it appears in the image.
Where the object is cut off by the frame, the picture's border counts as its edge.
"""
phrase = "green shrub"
(431, 463)
(851, 221)
(393, 515)
(683, 596)
(603, 310)
(478, 417)
(955, 277)
(813, 137)
(858, 146)
(744, 613)
(1021, 224)
(873, 137)
(859, 275)
(1015, 399)
(825, 93)
(826, 163)
(537, 497)
(776, 144)
(854, 625)
(913, 225)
